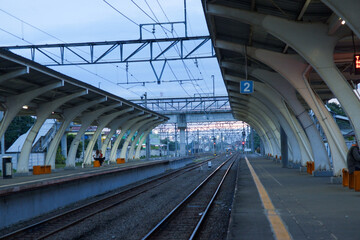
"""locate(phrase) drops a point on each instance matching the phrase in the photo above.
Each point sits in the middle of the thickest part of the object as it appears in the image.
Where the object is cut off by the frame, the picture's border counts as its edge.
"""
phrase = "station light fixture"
(25, 107)
(342, 21)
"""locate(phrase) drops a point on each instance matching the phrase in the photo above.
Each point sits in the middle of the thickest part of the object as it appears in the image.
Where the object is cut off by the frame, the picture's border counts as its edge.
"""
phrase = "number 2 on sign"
(246, 87)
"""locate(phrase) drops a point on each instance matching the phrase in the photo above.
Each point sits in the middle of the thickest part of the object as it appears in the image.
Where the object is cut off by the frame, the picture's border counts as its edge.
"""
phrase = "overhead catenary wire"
(144, 29)
(52, 36)
(176, 47)
(157, 21)
(187, 70)
(95, 74)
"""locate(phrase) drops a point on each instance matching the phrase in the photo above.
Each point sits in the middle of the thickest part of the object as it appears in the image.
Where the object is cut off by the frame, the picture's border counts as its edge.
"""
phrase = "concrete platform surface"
(27, 196)
(310, 207)
(29, 181)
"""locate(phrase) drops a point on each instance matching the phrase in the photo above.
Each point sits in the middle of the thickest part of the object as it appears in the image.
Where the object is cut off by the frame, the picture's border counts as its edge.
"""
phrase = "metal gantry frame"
(125, 54)
(187, 105)
(203, 133)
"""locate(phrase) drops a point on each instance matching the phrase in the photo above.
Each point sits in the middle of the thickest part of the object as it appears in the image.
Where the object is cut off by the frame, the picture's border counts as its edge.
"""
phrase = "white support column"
(143, 129)
(347, 10)
(272, 123)
(269, 103)
(86, 120)
(69, 115)
(261, 111)
(182, 141)
(115, 125)
(63, 147)
(295, 131)
(288, 92)
(321, 159)
(271, 130)
(262, 132)
(314, 44)
(143, 138)
(14, 74)
(293, 69)
(42, 113)
(124, 129)
(134, 129)
(14, 103)
(103, 122)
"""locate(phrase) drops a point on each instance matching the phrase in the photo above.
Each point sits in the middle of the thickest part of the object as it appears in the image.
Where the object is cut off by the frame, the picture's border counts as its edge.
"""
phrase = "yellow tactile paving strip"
(277, 225)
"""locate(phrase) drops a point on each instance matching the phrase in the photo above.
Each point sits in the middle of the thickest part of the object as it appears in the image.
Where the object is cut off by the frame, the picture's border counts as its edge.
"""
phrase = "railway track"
(185, 220)
(55, 224)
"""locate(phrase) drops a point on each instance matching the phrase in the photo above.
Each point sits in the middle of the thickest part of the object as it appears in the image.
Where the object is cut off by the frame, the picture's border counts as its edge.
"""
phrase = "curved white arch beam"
(86, 120)
(261, 102)
(260, 132)
(288, 122)
(267, 131)
(115, 125)
(263, 129)
(313, 43)
(143, 138)
(139, 133)
(69, 115)
(124, 129)
(42, 113)
(288, 92)
(271, 127)
(133, 130)
(297, 137)
(14, 103)
(103, 122)
(292, 68)
(347, 10)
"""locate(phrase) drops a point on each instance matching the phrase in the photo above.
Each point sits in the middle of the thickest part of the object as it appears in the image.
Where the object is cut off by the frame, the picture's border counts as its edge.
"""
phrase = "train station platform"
(22, 182)
(27, 196)
(306, 207)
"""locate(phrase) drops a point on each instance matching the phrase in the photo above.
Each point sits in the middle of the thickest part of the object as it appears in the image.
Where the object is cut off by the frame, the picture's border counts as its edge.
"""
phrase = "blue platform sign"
(246, 87)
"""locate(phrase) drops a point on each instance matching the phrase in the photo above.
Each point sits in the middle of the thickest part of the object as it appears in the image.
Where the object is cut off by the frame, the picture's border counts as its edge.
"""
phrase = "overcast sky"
(24, 22)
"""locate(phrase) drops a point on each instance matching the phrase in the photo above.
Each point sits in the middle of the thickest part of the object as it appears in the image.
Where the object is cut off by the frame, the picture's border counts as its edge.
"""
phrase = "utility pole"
(198, 141)
(252, 139)
(148, 136)
(167, 143)
(185, 18)
(175, 141)
(214, 142)
(2, 137)
(187, 142)
(222, 145)
(213, 79)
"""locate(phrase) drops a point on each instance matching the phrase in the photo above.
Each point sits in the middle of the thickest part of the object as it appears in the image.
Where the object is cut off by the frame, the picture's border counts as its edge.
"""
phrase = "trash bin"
(7, 167)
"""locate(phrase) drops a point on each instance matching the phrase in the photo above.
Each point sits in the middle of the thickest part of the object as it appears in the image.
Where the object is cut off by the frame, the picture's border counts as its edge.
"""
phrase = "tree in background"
(336, 108)
(69, 139)
(19, 126)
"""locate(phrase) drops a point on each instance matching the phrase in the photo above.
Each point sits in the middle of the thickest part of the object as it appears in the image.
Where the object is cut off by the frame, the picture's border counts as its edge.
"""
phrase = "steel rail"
(172, 175)
(184, 201)
(196, 230)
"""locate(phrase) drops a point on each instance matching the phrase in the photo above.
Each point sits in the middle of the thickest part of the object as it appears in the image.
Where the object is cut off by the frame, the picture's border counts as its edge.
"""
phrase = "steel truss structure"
(187, 105)
(99, 52)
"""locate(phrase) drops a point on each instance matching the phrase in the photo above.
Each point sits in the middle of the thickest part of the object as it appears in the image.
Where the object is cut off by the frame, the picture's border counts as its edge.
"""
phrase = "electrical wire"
(157, 21)
(52, 36)
(121, 13)
(176, 47)
(188, 71)
(95, 74)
